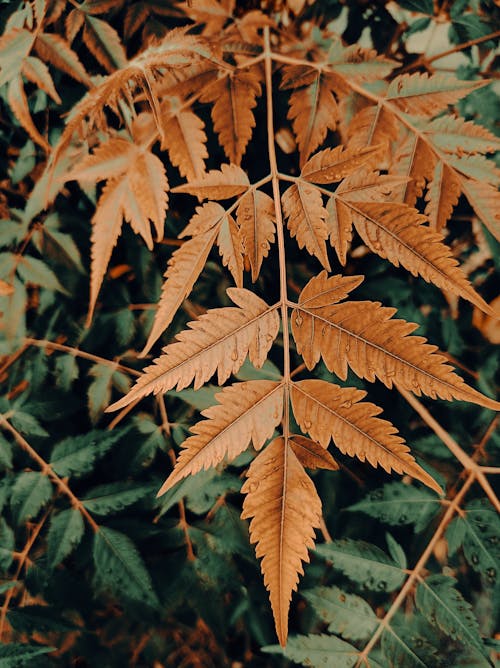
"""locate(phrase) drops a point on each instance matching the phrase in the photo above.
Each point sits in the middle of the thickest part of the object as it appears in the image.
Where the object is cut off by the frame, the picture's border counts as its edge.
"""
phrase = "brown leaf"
(310, 454)
(233, 97)
(219, 340)
(313, 111)
(230, 181)
(333, 164)
(400, 234)
(303, 207)
(363, 336)
(327, 411)
(231, 248)
(442, 196)
(256, 218)
(183, 269)
(247, 412)
(184, 137)
(285, 508)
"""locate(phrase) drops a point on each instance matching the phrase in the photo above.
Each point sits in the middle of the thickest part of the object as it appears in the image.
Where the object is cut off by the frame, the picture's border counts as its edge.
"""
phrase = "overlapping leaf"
(247, 412)
(327, 411)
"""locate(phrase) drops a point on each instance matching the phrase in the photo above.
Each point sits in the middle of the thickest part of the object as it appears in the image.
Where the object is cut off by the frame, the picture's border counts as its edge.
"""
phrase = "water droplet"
(234, 355)
(347, 347)
(307, 424)
(382, 585)
(403, 518)
(299, 320)
(269, 338)
(263, 245)
(475, 559)
(252, 487)
(346, 404)
(492, 574)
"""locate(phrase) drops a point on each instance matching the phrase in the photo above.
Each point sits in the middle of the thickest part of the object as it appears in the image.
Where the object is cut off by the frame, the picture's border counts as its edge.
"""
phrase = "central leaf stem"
(279, 227)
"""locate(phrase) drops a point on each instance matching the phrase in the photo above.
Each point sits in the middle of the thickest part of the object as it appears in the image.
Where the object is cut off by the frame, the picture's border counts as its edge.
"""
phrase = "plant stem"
(279, 227)
(415, 573)
(47, 470)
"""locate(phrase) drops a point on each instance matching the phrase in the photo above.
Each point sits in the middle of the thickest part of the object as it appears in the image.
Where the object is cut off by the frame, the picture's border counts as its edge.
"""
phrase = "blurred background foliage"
(94, 570)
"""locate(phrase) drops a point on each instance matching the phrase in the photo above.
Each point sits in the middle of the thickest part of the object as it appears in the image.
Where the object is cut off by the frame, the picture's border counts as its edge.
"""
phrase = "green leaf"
(65, 533)
(363, 563)
(7, 545)
(32, 270)
(347, 614)
(17, 655)
(199, 399)
(66, 371)
(5, 454)
(422, 6)
(76, 455)
(99, 392)
(120, 568)
(319, 651)
(405, 648)
(398, 504)
(444, 606)
(112, 497)
(478, 533)
(30, 492)
(31, 618)
(27, 424)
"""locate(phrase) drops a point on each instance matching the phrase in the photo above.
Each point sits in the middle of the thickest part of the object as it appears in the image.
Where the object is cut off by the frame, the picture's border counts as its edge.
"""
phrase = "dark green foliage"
(94, 570)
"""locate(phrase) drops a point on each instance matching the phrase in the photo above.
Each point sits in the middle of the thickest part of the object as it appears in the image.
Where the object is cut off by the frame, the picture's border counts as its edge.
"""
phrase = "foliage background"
(94, 569)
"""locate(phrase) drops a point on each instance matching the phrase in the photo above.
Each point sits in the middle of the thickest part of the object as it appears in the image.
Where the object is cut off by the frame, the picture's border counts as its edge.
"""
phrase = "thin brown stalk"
(47, 470)
(416, 571)
(467, 462)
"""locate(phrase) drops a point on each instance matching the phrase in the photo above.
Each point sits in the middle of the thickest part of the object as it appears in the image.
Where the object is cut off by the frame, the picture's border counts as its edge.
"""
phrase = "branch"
(415, 573)
(467, 462)
(47, 470)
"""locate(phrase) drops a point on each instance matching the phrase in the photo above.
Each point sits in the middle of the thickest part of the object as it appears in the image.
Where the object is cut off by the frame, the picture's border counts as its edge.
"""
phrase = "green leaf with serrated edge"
(76, 455)
(32, 270)
(7, 545)
(120, 568)
(5, 453)
(27, 424)
(320, 651)
(363, 563)
(17, 655)
(406, 648)
(30, 492)
(347, 614)
(65, 533)
(113, 497)
(477, 532)
(31, 618)
(398, 504)
(443, 605)
(66, 371)
(99, 391)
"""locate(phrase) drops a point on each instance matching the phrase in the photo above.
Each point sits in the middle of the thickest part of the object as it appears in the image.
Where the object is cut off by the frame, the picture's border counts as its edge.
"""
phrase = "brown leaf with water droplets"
(219, 340)
(329, 412)
(364, 336)
(256, 219)
(246, 413)
(303, 207)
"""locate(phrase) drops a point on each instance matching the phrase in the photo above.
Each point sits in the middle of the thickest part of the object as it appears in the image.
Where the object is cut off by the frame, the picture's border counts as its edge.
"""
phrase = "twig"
(47, 470)
(22, 558)
(467, 462)
(76, 352)
(408, 585)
